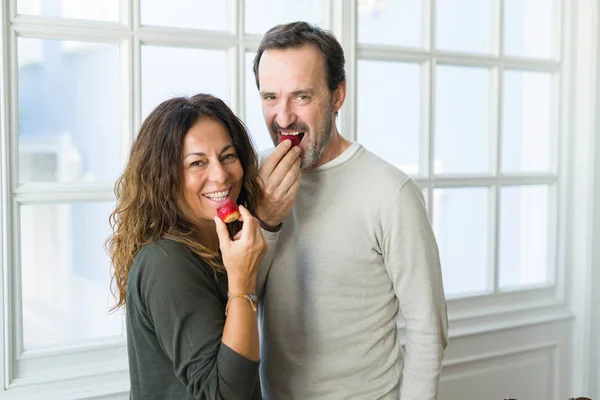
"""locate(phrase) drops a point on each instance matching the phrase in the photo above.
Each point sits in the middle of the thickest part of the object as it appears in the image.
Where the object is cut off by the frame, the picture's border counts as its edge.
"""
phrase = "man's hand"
(280, 175)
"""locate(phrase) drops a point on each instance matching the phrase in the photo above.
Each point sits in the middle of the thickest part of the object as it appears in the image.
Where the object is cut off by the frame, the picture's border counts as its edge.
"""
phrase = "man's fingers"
(288, 162)
(221, 232)
(291, 177)
(294, 189)
(274, 158)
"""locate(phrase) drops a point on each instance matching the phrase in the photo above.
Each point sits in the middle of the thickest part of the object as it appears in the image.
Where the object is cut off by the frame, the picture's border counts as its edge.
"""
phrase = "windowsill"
(501, 311)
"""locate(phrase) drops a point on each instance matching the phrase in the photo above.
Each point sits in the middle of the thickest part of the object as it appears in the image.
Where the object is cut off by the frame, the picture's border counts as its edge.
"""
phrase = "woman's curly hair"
(149, 191)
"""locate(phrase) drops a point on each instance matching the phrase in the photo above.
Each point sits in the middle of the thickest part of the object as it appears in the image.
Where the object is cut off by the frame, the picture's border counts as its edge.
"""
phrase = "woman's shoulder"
(166, 257)
(163, 249)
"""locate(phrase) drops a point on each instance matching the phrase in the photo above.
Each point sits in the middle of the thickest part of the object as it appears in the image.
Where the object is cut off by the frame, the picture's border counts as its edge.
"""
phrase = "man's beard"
(313, 154)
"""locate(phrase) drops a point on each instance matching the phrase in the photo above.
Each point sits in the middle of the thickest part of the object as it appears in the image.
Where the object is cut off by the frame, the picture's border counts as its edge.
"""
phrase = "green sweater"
(175, 319)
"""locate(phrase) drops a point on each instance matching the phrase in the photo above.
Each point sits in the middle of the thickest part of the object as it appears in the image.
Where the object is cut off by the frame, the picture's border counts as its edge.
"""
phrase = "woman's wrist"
(242, 285)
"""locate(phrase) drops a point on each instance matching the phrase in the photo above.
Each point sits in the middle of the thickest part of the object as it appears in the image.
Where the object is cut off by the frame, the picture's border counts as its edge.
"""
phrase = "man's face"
(296, 100)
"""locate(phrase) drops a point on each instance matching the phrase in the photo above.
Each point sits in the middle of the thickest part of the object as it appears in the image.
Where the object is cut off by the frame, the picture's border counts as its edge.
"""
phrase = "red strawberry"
(228, 212)
(295, 139)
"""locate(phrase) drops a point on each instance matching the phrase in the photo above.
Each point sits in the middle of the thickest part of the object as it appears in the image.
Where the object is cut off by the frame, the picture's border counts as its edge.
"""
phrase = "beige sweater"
(357, 249)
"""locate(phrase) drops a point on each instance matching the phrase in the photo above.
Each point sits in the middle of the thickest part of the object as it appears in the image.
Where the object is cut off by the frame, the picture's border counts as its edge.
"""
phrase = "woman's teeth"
(218, 196)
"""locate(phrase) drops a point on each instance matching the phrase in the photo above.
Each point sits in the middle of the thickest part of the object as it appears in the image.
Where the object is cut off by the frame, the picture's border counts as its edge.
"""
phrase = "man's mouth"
(295, 137)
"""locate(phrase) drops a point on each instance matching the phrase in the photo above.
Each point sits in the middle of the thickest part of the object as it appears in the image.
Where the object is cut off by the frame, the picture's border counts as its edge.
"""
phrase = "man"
(350, 243)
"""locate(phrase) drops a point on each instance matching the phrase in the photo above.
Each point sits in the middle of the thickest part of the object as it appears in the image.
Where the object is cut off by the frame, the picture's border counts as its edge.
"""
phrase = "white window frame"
(583, 275)
(100, 368)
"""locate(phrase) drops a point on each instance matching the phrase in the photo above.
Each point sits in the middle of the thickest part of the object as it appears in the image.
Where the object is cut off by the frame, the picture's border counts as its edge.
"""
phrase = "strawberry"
(295, 139)
(228, 212)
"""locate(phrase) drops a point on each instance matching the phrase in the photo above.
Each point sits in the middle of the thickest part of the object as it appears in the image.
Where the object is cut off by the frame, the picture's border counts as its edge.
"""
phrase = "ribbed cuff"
(238, 371)
(268, 227)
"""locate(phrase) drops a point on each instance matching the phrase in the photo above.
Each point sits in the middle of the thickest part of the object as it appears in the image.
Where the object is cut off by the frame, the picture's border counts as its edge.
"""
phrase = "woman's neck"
(207, 236)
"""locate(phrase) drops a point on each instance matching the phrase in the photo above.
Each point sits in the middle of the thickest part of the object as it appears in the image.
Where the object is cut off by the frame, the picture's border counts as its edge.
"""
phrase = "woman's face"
(212, 170)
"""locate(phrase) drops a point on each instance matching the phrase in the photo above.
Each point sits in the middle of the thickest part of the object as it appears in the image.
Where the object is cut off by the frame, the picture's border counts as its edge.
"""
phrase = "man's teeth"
(291, 133)
(218, 195)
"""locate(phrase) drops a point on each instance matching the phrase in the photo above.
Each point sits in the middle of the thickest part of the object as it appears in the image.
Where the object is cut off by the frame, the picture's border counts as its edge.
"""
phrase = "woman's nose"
(217, 172)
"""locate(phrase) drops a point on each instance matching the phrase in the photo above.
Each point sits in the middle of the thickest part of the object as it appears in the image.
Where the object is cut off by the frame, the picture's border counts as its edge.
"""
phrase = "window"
(440, 88)
(464, 96)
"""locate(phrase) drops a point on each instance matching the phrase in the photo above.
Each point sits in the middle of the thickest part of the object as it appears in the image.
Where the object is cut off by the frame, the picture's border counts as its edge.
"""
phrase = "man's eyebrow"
(294, 93)
(199, 154)
(302, 91)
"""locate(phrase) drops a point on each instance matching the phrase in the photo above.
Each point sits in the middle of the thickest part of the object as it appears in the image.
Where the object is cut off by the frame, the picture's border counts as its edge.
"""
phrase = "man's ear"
(339, 96)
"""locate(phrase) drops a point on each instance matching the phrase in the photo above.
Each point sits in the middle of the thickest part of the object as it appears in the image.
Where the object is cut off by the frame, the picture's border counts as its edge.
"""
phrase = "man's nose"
(285, 115)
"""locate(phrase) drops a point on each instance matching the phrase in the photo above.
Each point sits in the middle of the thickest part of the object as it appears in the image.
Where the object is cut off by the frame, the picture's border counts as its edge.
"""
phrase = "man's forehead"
(293, 67)
(307, 56)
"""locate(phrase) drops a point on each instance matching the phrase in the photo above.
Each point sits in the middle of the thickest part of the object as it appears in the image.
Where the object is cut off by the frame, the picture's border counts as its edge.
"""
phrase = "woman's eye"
(230, 157)
(197, 164)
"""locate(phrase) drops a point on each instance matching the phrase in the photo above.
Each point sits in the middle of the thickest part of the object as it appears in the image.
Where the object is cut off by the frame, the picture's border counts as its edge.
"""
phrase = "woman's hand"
(242, 255)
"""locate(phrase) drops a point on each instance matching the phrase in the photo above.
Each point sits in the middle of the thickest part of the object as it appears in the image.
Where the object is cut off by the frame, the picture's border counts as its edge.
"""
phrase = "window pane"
(462, 121)
(68, 121)
(526, 121)
(460, 222)
(261, 15)
(170, 71)
(529, 28)
(105, 10)
(65, 274)
(198, 14)
(523, 258)
(254, 118)
(384, 89)
(396, 23)
(464, 25)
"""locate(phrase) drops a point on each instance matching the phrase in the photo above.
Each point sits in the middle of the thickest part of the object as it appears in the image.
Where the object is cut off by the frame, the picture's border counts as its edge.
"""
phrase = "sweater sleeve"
(263, 269)
(412, 260)
(183, 302)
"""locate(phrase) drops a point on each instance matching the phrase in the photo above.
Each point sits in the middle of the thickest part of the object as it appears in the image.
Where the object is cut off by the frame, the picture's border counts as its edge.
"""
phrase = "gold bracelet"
(250, 297)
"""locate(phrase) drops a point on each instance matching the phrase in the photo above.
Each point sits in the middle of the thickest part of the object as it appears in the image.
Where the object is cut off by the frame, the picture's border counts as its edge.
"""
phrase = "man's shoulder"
(381, 171)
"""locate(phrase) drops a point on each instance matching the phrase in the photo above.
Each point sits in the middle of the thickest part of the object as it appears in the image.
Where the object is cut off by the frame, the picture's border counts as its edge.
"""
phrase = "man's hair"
(297, 34)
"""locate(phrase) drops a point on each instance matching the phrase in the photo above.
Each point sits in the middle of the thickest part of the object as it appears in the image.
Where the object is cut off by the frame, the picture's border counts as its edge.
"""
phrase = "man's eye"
(303, 97)
(269, 97)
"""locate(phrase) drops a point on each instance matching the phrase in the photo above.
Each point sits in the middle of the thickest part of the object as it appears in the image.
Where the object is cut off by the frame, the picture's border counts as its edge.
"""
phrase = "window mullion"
(345, 26)
(6, 10)
(498, 93)
(238, 87)
(430, 111)
(128, 94)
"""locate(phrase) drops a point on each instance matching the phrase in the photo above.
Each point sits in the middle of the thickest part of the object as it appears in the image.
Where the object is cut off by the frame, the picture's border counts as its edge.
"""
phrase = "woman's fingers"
(245, 214)
(221, 232)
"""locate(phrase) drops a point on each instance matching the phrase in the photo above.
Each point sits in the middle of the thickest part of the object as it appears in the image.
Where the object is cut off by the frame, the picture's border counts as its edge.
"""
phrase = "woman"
(190, 157)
